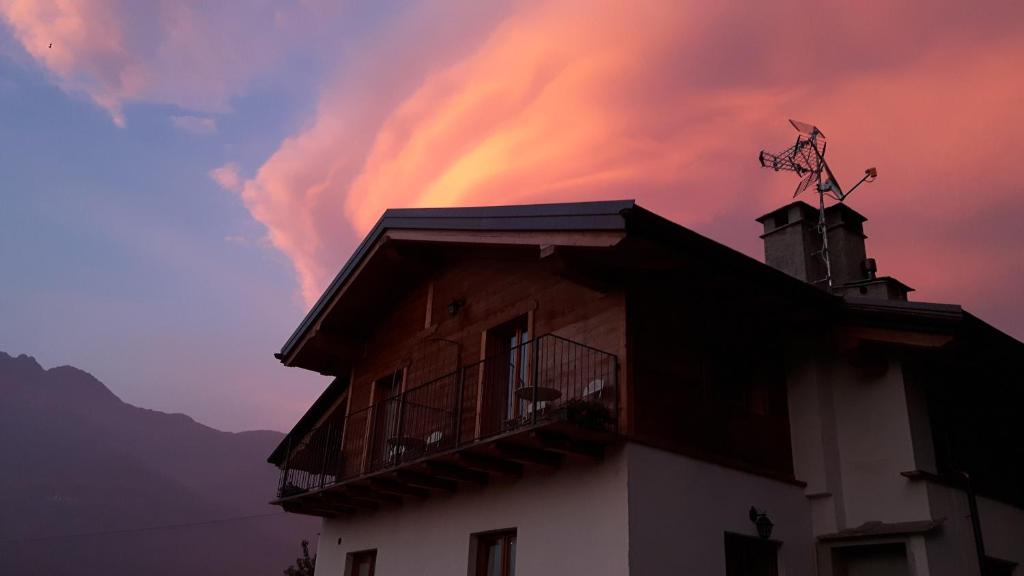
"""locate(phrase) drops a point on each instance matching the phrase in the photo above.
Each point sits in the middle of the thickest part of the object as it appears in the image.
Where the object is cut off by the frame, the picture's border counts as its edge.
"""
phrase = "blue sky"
(123, 257)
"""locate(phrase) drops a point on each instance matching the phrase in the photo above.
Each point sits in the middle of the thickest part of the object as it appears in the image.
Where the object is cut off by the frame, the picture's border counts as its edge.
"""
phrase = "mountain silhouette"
(92, 485)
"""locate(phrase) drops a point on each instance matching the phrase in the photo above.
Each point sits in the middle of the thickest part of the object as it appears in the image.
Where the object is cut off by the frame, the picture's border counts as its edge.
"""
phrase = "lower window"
(746, 556)
(361, 563)
(496, 553)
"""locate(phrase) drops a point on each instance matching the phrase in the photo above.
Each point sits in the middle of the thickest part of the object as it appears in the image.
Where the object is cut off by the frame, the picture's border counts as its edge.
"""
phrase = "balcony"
(533, 406)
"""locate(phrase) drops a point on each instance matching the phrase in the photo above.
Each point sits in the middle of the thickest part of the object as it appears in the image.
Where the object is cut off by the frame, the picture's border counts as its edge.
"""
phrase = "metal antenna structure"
(807, 159)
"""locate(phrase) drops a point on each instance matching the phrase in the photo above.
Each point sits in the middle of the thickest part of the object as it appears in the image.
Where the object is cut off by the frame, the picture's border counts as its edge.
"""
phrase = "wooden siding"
(708, 371)
(494, 290)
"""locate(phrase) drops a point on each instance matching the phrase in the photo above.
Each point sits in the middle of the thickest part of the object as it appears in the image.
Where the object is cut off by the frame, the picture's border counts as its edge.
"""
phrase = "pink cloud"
(192, 54)
(227, 176)
(669, 103)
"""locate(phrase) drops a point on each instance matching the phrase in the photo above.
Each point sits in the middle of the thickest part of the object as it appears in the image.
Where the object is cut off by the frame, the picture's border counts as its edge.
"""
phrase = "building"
(592, 389)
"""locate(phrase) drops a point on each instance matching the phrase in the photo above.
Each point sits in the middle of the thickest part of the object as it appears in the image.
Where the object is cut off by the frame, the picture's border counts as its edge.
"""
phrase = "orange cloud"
(669, 102)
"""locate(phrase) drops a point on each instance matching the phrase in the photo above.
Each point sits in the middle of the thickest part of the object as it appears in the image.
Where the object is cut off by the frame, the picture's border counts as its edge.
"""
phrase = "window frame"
(481, 542)
(353, 560)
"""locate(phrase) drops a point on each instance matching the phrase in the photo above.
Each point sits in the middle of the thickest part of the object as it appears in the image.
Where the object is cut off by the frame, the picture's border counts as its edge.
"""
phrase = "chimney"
(792, 244)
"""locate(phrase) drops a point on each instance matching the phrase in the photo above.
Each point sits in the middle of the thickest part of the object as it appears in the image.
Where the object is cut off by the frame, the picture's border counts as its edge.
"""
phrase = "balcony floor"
(511, 455)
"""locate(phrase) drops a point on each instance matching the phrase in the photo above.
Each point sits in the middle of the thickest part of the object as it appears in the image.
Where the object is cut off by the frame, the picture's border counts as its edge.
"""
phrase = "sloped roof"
(576, 216)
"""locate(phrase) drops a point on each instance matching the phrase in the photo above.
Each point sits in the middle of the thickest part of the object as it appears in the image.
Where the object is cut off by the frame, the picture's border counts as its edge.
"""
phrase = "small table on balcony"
(538, 393)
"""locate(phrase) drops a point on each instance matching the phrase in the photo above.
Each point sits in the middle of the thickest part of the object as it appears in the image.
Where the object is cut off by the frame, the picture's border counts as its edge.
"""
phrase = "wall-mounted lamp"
(763, 523)
(455, 305)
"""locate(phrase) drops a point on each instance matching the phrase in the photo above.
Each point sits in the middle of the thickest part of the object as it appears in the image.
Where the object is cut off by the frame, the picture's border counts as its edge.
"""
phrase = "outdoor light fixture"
(762, 521)
(455, 305)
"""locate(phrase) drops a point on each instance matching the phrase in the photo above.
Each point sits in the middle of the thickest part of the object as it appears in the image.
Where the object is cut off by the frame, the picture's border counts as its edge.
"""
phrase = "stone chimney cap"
(848, 214)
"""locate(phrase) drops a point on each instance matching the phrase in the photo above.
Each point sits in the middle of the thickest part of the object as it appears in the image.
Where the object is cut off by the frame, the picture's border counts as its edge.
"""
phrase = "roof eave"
(580, 216)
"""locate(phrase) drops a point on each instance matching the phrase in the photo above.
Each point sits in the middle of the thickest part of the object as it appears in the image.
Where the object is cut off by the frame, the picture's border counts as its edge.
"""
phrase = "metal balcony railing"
(539, 381)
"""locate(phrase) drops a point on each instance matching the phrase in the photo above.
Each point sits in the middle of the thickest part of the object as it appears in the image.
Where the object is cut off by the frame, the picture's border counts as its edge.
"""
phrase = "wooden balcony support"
(424, 481)
(456, 472)
(477, 461)
(563, 443)
(398, 488)
(521, 453)
(371, 495)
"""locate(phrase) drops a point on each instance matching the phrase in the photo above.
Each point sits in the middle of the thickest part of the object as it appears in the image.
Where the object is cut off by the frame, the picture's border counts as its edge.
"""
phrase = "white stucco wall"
(569, 521)
(852, 439)
(680, 509)
(875, 447)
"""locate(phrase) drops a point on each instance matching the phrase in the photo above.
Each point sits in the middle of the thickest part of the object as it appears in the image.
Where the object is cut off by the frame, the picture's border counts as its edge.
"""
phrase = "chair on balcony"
(595, 391)
(433, 440)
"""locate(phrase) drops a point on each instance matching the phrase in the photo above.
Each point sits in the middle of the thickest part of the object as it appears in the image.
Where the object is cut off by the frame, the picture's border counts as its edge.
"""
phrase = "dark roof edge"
(601, 215)
(333, 391)
(929, 315)
(639, 213)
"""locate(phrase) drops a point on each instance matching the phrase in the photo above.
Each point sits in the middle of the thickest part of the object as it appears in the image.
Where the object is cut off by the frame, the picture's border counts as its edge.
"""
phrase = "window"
(386, 391)
(888, 559)
(507, 369)
(361, 563)
(747, 556)
(496, 553)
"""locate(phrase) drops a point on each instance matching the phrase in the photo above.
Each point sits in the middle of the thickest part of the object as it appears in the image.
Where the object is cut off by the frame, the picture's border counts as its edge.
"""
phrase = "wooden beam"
(396, 487)
(490, 464)
(562, 443)
(529, 455)
(424, 481)
(851, 337)
(308, 510)
(593, 238)
(430, 305)
(456, 472)
(334, 499)
(477, 420)
(366, 493)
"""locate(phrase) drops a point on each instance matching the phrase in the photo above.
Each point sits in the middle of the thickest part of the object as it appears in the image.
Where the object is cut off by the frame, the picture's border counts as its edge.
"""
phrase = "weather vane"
(807, 159)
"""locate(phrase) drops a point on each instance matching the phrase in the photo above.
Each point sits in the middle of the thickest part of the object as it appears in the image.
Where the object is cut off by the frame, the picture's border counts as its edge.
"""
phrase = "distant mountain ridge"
(83, 472)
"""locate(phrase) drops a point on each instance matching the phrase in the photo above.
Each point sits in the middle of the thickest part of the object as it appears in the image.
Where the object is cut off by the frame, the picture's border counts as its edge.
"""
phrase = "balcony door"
(386, 397)
(506, 370)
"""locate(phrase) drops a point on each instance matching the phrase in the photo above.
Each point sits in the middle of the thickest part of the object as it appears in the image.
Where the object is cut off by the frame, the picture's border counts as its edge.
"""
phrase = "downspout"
(979, 542)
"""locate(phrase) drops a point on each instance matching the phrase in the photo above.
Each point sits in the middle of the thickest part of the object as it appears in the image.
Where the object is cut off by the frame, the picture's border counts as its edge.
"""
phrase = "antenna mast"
(807, 159)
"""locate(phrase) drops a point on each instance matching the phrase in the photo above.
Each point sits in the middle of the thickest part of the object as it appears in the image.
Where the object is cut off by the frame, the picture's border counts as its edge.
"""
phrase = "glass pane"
(364, 569)
(494, 559)
(511, 556)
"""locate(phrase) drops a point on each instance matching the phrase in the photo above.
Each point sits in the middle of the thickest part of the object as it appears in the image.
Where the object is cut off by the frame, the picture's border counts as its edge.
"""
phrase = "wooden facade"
(489, 288)
(469, 351)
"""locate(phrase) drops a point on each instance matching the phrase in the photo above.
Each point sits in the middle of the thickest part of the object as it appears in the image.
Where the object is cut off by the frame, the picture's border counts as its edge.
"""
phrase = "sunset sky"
(182, 178)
